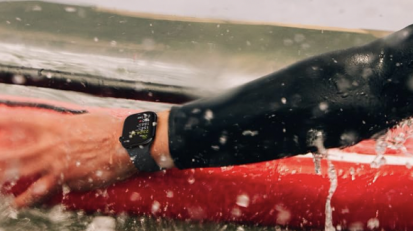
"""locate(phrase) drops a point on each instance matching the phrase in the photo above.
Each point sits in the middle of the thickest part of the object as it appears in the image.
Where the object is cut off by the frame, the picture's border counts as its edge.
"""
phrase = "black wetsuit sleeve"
(346, 96)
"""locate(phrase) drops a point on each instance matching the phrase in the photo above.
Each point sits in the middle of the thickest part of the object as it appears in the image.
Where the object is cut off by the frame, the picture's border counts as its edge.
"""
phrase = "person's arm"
(346, 96)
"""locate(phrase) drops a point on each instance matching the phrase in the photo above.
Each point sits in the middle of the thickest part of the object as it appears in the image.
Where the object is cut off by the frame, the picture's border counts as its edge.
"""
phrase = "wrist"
(160, 146)
(153, 151)
(120, 150)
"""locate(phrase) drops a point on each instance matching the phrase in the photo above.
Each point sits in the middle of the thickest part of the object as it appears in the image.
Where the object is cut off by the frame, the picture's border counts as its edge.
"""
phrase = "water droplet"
(65, 190)
(299, 38)
(249, 133)
(380, 147)
(135, 196)
(215, 147)
(102, 223)
(283, 215)
(348, 138)
(373, 223)
(155, 207)
(223, 139)
(169, 194)
(317, 163)
(323, 106)
(352, 173)
(49, 75)
(236, 212)
(36, 8)
(70, 9)
(209, 115)
(243, 200)
(382, 161)
(288, 42)
(191, 179)
(39, 188)
(18, 79)
(332, 176)
(99, 173)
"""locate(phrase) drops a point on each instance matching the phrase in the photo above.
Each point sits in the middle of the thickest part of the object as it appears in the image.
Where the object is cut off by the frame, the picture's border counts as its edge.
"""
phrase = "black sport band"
(138, 134)
(142, 159)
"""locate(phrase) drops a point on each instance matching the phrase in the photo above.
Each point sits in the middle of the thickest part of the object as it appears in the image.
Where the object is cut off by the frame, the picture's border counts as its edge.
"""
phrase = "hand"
(80, 151)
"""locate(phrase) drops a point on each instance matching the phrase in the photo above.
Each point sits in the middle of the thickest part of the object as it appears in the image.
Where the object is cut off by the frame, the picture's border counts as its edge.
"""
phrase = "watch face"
(138, 129)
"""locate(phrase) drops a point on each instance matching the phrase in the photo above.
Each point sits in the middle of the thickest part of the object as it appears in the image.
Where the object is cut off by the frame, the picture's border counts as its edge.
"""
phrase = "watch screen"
(139, 129)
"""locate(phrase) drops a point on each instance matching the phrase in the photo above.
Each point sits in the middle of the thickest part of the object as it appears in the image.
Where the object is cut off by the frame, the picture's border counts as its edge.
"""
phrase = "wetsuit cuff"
(175, 140)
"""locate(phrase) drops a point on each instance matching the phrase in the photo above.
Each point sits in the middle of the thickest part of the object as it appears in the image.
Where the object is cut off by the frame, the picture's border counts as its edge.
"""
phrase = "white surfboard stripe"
(351, 157)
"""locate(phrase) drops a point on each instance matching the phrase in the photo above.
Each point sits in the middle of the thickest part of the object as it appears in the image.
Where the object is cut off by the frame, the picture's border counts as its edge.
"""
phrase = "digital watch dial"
(137, 136)
(139, 129)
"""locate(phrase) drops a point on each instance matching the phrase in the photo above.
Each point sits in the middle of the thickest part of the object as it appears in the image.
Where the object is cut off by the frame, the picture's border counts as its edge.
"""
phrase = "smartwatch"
(137, 137)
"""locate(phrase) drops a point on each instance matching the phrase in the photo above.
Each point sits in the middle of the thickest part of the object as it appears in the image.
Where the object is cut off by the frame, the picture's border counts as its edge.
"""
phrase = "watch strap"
(142, 159)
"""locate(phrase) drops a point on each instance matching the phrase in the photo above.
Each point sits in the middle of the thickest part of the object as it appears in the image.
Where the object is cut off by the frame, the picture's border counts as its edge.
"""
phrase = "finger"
(37, 192)
(12, 171)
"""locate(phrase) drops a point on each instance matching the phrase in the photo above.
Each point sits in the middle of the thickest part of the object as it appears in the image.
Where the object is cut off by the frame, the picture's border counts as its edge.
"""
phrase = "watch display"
(139, 129)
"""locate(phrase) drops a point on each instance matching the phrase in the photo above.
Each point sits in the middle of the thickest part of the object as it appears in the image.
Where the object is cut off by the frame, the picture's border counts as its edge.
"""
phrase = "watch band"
(142, 159)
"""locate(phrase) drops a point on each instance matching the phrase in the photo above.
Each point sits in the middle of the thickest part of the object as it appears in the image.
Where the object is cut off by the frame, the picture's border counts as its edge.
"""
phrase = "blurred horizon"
(368, 14)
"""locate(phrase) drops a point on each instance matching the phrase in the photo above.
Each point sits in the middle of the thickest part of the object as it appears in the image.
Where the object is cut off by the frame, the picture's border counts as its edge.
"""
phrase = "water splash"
(316, 139)
(332, 175)
(7, 212)
(317, 162)
(395, 140)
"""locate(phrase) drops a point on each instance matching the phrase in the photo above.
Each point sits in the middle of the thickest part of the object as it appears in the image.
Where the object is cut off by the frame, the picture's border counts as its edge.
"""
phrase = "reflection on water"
(80, 98)
(99, 65)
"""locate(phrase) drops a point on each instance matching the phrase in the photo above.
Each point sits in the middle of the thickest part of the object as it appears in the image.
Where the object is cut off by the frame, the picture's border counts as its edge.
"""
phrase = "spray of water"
(316, 139)
(6, 210)
(332, 175)
(394, 139)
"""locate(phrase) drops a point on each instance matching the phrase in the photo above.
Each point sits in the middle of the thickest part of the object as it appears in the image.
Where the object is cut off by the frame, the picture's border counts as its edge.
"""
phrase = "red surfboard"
(280, 192)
